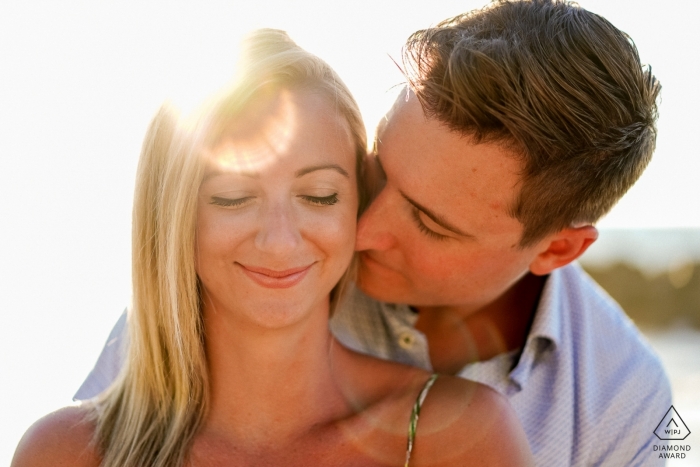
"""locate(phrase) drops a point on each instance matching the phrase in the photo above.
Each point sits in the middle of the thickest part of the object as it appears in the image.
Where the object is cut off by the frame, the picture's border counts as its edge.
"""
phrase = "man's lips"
(275, 279)
(366, 258)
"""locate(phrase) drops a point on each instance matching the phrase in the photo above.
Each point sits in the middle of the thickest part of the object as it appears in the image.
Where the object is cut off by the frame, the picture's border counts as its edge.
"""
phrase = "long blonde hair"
(150, 414)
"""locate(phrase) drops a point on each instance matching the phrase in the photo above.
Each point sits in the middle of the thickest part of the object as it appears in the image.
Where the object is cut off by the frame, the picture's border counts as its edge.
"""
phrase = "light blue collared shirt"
(587, 387)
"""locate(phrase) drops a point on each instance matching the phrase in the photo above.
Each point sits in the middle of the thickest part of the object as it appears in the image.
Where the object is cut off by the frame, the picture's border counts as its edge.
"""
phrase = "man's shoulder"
(589, 310)
(613, 364)
(594, 322)
(109, 362)
(600, 378)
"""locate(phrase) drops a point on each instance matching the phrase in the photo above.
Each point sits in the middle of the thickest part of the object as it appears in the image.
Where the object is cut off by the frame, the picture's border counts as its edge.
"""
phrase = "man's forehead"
(406, 107)
(444, 170)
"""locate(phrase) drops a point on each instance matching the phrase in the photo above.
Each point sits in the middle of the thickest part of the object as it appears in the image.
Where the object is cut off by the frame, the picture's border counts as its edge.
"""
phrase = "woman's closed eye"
(321, 200)
(239, 202)
(230, 202)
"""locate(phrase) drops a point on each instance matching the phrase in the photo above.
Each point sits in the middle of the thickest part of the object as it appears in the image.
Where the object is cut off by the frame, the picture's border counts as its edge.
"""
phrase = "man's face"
(439, 233)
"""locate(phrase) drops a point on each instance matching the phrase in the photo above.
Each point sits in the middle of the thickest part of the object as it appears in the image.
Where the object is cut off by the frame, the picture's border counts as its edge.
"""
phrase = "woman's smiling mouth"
(274, 279)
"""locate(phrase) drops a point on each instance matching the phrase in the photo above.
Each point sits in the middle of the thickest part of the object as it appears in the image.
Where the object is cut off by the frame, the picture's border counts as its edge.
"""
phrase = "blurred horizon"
(665, 248)
(654, 274)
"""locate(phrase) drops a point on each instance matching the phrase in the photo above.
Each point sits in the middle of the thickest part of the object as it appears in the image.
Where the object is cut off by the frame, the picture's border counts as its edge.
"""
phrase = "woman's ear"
(562, 248)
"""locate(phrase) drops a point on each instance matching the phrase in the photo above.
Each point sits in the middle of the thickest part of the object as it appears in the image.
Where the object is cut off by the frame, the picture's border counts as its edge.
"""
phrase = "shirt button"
(406, 340)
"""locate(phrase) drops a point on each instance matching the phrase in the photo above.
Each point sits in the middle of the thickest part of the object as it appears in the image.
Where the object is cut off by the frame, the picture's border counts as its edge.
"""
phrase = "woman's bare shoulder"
(379, 379)
(463, 421)
(61, 438)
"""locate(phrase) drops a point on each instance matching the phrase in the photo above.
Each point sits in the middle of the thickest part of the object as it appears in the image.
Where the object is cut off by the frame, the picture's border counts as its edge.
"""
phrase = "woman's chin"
(279, 312)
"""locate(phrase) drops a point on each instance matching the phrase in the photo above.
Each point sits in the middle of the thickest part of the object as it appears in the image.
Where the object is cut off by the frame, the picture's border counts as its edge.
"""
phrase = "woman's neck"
(270, 383)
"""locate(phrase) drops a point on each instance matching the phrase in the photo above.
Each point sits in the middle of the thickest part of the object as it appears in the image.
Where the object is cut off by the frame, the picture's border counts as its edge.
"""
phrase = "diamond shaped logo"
(672, 427)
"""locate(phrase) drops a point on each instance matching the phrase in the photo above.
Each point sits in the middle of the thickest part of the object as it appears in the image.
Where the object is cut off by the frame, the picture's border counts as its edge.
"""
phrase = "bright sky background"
(79, 82)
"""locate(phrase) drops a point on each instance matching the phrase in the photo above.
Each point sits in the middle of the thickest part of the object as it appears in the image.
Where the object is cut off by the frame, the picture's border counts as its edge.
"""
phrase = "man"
(522, 125)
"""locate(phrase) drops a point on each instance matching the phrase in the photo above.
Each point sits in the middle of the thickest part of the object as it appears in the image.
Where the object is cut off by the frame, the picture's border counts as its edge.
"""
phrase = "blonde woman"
(243, 230)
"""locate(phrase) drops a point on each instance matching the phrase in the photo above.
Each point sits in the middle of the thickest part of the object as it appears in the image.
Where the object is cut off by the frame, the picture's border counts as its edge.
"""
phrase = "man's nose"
(279, 232)
(374, 226)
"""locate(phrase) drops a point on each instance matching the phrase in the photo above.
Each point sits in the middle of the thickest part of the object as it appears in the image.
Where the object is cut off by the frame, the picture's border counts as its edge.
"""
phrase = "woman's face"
(277, 210)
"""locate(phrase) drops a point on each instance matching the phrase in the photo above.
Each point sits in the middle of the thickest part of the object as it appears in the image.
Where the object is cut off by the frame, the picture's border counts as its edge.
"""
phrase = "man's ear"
(562, 248)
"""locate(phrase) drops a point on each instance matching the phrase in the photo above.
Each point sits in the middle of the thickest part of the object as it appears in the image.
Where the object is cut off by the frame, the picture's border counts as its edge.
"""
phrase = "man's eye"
(321, 200)
(423, 228)
(229, 202)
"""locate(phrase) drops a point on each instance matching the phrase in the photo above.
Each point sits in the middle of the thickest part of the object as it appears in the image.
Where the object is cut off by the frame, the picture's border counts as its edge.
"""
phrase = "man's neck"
(458, 336)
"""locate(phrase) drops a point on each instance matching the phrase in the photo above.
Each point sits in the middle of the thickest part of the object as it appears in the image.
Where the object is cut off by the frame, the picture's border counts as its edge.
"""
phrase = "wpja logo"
(672, 428)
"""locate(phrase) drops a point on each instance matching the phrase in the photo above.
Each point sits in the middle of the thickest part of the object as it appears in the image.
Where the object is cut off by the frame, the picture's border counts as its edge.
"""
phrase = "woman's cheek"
(334, 232)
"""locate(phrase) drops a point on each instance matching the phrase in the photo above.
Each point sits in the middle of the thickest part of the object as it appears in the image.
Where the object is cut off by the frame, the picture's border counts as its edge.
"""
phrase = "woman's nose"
(279, 233)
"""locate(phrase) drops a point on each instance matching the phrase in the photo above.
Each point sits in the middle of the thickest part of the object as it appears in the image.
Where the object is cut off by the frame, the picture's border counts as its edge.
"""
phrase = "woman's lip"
(274, 279)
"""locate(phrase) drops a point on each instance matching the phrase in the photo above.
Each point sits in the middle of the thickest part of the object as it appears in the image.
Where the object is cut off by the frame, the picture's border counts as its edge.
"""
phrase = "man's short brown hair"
(560, 85)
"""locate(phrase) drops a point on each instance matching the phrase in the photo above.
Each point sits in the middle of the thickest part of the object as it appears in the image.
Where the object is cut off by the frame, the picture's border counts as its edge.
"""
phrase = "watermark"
(672, 428)
(672, 451)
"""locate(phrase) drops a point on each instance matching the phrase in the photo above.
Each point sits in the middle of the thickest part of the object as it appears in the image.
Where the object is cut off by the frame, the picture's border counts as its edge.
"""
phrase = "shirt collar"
(546, 330)
(548, 316)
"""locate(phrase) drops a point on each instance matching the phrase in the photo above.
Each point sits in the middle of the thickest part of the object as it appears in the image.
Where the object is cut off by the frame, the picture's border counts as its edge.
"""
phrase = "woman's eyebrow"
(219, 173)
(314, 168)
